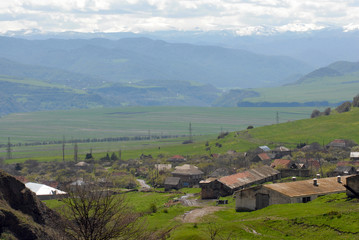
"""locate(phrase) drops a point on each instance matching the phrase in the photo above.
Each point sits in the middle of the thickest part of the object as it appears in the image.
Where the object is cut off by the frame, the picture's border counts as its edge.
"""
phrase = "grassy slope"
(328, 217)
(331, 89)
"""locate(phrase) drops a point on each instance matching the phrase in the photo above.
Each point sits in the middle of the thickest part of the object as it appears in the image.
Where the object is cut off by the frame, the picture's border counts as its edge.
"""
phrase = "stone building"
(290, 192)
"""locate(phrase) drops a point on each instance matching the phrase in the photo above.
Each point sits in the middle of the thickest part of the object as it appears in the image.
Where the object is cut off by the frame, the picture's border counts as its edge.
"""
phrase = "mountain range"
(135, 59)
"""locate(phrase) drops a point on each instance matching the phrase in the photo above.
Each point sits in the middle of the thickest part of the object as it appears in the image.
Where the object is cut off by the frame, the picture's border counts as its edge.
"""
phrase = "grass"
(206, 123)
(327, 217)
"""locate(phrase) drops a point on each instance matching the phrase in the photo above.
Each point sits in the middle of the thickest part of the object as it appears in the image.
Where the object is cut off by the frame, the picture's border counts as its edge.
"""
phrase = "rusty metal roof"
(264, 156)
(281, 162)
(250, 176)
(306, 187)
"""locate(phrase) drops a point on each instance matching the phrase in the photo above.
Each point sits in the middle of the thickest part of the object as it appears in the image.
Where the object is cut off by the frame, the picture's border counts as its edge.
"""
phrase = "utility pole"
(76, 149)
(277, 117)
(190, 131)
(8, 149)
(63, 148)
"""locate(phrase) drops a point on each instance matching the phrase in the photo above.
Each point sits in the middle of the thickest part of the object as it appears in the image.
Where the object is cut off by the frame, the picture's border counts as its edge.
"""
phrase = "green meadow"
(206, 123)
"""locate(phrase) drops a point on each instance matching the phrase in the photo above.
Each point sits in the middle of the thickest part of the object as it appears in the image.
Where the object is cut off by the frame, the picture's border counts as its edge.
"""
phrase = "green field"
(130, 121)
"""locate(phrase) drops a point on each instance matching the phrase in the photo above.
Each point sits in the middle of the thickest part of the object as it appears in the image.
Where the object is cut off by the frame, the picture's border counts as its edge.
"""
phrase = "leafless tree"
(93, 213)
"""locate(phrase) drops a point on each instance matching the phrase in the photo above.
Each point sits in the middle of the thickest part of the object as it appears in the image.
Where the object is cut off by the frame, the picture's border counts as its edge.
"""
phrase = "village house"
(289, 168)
(190, 175)
(259, 197)
(224, 186)
(283, 163)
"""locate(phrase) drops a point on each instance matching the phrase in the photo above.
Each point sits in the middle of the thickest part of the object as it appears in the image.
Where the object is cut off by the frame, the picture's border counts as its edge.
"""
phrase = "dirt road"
(195, 215)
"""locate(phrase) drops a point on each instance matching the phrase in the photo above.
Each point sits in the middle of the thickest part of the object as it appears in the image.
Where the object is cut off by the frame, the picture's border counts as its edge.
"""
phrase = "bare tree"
(94, 213)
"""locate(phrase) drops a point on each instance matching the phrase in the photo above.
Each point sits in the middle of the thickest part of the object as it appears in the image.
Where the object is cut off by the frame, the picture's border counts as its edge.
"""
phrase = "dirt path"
(196, 214)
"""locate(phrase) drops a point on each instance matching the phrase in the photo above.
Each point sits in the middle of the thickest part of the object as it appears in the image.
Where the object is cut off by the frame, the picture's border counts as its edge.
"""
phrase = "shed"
(352, 186)
(172, 183)
(290, 192)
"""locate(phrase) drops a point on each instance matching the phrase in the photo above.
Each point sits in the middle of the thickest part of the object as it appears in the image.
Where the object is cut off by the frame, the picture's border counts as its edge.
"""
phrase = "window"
(305, 199)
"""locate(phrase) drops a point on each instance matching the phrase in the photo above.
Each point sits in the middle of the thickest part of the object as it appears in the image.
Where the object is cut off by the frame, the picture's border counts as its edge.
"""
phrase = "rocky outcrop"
(23, 215)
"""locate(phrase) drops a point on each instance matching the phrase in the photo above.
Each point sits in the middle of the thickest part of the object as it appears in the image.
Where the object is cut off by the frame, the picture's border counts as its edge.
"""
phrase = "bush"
(315, 113)
(344, 107)
(356, 101)
(327, 111)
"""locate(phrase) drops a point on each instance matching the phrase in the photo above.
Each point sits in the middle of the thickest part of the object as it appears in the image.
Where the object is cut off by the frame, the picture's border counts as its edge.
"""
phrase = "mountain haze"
(135, 59)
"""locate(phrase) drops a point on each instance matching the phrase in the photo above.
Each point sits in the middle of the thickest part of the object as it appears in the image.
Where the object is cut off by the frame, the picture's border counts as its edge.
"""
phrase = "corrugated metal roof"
(354, 154)
(265, 148)
(306, 187)
(252, 175)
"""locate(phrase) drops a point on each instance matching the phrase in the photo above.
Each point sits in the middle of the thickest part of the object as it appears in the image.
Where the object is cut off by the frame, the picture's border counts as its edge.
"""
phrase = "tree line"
(88, 140)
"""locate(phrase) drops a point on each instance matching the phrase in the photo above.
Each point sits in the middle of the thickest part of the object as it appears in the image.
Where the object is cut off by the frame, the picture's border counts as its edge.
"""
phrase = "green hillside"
(333, 84)
(322, 129)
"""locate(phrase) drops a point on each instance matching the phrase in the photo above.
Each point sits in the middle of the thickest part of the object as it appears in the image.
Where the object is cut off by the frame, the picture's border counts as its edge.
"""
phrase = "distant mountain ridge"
(134, 59)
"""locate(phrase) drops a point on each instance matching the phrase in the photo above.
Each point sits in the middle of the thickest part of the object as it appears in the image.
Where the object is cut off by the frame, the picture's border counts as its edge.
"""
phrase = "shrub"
(344, 107)
(327, 111)
(356, 101)
(250, 127)
(315, 113)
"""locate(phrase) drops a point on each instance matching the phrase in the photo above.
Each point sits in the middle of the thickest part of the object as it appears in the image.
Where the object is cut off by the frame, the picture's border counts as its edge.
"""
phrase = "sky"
(244, 17)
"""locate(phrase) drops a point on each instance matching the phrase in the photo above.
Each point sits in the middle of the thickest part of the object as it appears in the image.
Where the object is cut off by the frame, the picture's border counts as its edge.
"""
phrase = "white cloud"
(243, 16)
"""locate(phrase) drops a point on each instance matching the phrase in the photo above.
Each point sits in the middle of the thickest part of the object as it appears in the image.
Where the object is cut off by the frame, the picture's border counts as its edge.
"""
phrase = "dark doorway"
(262, 200)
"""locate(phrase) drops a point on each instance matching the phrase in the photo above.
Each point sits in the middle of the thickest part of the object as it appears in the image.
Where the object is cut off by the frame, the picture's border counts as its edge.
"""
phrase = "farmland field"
(129, 122)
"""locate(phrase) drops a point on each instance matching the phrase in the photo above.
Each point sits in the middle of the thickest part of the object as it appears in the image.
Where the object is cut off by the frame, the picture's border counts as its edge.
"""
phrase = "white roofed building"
(44, 192)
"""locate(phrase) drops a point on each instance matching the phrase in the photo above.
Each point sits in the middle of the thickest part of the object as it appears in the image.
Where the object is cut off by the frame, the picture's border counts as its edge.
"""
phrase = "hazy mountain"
(316, 47)
(134, 59)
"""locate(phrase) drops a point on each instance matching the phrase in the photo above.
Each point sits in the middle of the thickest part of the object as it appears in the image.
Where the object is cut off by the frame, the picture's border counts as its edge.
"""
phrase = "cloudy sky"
(242, 16)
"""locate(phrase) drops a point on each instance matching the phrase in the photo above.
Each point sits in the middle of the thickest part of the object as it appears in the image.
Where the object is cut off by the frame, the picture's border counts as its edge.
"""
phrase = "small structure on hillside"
(290, 192)
(44, 192)
(224, 186)
(190, 175)
(172, 183)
